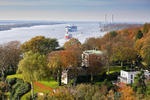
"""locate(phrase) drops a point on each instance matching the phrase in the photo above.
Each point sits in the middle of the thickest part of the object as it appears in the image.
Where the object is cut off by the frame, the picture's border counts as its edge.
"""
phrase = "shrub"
(11, 81)
(18, 89)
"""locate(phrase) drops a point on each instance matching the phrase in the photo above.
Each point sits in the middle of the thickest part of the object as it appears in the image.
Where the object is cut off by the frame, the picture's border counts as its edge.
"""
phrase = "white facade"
(128, 76)
(64, 77)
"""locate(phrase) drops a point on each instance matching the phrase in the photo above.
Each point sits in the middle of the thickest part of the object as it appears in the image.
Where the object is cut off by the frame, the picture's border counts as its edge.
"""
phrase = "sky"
(76, 10)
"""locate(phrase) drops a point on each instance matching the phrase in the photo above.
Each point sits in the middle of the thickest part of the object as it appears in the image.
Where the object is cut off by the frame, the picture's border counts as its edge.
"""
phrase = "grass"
(114, 69)
(47, 83)
(14, 76)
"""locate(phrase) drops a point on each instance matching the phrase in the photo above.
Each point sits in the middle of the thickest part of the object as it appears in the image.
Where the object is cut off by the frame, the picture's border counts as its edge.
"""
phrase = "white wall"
(127, 75)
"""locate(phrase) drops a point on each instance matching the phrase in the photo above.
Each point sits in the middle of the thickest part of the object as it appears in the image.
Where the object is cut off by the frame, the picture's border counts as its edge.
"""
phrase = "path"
(43, 86)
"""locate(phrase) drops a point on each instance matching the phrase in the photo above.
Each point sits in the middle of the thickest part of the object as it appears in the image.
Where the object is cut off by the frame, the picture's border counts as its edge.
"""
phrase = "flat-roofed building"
(89, 55)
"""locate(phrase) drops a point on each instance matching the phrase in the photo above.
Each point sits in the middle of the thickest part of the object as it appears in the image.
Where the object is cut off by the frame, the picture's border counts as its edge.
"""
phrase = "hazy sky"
(75, 10)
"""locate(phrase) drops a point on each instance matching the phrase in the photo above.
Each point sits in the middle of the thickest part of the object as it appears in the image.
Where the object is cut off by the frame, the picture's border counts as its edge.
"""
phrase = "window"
(131, 76)
(131, 81)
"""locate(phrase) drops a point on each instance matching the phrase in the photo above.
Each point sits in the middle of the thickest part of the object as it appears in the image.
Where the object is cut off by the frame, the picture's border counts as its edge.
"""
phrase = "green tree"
(55, 64)
(40, 44)
(33, 67)
(124, 54)
(139, 34)
(113, 34)
(139, 85)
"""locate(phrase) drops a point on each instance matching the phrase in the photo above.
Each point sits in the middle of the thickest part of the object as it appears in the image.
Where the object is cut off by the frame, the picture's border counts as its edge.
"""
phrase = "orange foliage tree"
(59, 60)
(127, 94)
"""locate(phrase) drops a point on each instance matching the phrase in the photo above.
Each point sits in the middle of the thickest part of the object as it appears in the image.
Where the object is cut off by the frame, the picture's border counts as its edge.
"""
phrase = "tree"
(127, 94)
(95, 65)
(139, 34)
(59, 60)
(3, 91)
(107, 55)
(139, 85)
(55, 63)
(146, 28)
(92, 43)
(124, 54)
(10, 55)
(33, 67)
(145, 52)
(73, 42)
(40, 44)
(113, 34)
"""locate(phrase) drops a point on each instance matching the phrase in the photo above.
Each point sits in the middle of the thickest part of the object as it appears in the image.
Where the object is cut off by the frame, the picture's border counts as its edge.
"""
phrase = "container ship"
(69, 29)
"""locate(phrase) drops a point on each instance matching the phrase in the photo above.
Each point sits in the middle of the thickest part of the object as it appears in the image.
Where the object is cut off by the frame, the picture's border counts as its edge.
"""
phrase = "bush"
(85, 79)
(80, 92)
(113, 33)
(113, 76)
(3, 90)
(11, 81)
(18, 89)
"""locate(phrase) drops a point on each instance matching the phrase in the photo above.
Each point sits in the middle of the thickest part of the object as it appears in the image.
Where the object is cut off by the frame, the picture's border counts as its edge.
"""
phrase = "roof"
(93, 52)
(130, 71)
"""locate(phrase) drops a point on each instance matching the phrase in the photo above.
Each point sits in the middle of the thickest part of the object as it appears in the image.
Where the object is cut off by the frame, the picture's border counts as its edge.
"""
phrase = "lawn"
(49, 83)
(15, 76)
(114, 69)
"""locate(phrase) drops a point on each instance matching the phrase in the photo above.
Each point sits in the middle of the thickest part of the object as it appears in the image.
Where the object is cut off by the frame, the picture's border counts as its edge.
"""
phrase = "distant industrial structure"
(103, 26)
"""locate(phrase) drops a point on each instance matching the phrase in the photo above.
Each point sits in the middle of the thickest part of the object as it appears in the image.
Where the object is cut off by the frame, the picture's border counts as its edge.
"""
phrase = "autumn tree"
(59, 60)
(145, 52)
(96, 64)
(123, 54)
(146, 28)
(33, 67)
(55, 63)
(92, 43)
(113, 34)
(127, 94)
(40, 44)
(73, 42)
(10, 55)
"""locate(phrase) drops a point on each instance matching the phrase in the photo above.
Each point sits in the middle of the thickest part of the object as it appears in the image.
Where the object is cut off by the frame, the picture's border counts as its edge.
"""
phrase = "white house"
(128, 76)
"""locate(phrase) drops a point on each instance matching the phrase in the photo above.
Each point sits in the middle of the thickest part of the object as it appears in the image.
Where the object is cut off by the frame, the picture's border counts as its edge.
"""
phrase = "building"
(69, 74)
(128, 76)
(89, 55)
